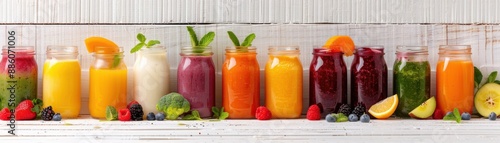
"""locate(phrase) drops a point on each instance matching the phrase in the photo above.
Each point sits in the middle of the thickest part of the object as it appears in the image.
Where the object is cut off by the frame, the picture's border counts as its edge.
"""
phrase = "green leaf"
(137, 48)
(478, 77)
(207, 39)
(456, 113)
(141, 37)
(195, 115)
(152, 43)
(248, 40)
(37, 107)
(192, 34)
(233, 38)
(497, 81)
(340, 117)
(223, 115)
(449, 117)
(111, 113)
(492, 77)
(116, 61)
(216, 112)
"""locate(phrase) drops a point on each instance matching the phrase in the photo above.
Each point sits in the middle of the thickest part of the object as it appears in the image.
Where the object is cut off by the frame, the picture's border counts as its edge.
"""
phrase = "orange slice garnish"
(384, 109)
(340, 43)
(101, 45)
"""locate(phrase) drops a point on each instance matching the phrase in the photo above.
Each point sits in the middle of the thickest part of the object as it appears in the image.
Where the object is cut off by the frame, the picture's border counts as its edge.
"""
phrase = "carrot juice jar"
(455, 79)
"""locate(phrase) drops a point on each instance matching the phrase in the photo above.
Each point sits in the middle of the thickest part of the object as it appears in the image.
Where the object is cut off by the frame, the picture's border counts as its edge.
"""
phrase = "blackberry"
(136, 112)
(345, 109)
(47, 113)
(359, 110)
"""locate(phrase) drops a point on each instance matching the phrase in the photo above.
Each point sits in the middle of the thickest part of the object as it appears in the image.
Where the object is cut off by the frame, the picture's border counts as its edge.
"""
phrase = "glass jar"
(327, 80)
(411, 78)
(196, 78)
(108, 82)
(19, 74)
(284, 82)
(62, 81)
(455, 79)
(241, 82)
(151, 77)
(368, 76)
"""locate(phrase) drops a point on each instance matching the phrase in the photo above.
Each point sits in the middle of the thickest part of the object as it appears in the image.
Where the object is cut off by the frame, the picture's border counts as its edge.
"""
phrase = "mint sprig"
(203, 42)
(37, 107)
(478, 77)
(455, 116)
(247, 42)
(116, 61)
(219, 113)
(194, 115)
(142, 43)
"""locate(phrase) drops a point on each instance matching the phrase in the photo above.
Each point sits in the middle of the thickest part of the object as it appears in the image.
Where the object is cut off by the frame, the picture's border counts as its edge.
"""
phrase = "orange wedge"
(101, 45)
(340, 43)
(384, 109)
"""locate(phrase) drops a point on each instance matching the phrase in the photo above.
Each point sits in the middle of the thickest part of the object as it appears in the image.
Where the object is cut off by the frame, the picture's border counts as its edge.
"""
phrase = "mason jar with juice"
(62, 81)
(18, 69)
(455, 79)
(284, 82)
(368, 76)
(108, 81)
(411, 78)
(196, 78)
(241, 82)
(327, 80)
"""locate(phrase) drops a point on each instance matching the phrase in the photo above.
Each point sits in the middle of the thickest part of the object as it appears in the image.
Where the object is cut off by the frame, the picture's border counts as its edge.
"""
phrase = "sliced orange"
(101, 45)
(384, 109)
(340, 43)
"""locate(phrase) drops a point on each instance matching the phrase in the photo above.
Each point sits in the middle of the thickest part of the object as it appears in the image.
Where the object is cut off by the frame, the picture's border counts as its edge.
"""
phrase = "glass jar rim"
(62, 50)
(454, 49)
(196, 51)
(240, 49)
(25, 49)
(406, 49)
(119, 52)
(283, 50)
(154, 49)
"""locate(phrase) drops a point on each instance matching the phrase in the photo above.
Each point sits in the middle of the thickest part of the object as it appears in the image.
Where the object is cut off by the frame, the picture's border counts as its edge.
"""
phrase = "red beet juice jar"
(327, 80)
(368, 76)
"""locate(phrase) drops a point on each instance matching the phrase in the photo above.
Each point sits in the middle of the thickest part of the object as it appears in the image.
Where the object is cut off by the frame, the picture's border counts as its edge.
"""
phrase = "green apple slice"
(425, 110)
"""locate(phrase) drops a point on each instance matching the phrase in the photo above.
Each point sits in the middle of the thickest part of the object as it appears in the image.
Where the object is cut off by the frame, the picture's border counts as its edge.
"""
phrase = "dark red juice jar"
(368, 76)
(327, 80)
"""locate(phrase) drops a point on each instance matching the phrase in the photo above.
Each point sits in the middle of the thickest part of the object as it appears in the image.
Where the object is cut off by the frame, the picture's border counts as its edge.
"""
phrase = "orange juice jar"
(108, 82)
(62, 81)
(284, 82)
(455, 79)
(240, 82)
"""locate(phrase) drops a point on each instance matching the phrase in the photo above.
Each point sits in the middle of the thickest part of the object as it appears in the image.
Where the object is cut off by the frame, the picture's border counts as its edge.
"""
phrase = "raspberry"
(23, 111)
(438, 114)
(262, 113)
(313, 113)
(5, 114)
(132, 103)
(124, 115)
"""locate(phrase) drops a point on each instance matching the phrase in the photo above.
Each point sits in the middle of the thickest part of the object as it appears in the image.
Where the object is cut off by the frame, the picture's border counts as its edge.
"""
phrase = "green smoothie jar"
(411, 78)
(18, 75)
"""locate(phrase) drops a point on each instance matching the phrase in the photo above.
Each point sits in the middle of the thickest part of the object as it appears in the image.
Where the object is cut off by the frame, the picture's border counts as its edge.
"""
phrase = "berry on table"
(330, 118)
(57, 117)
(124, 115)
(353, 118)
(493, 116)
(358, 110)
(465, 116)
(5, 114)
(262, 113)
(313, 113)
(160, 116)
(345, 109)
(151, 116)
(365, 118)
(136, 112)
(47, 113)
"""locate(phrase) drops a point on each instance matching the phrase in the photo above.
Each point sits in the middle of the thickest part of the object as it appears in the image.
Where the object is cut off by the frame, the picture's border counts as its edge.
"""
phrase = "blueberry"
(151, 116)
(353, 118)
(365, 118)
(160, 116)
(57, 117)
(493, 116)
(465, 116)
(330, 118)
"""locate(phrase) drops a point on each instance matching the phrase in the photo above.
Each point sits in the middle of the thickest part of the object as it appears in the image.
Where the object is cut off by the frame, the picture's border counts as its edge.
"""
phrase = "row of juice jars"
(241, 78)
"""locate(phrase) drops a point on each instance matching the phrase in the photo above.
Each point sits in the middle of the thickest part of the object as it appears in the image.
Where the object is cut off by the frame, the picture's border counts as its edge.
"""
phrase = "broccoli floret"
(173, 105)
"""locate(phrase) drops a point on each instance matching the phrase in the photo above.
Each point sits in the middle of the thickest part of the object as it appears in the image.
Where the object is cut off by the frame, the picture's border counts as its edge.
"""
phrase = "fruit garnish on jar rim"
(102, 45)
(340, 43)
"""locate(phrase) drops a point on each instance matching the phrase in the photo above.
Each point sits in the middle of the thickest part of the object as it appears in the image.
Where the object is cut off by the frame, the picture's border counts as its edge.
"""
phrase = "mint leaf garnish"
(248, 40)
(192, 34)
(492, 77)
(116, 61)
(142, 43)
(216, 112)
(478, 77)
(340, 117)
(38, 107)
(455, 116)
(207, 39)
(497, 81)
(233, 38)
(195, 115)
(219, 113)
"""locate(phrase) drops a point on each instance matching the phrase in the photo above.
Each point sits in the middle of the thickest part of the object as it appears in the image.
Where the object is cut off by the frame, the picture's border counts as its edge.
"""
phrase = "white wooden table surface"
(87, 129)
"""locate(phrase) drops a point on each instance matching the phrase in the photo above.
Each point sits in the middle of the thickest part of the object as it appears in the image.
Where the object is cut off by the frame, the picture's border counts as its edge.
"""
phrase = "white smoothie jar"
(151, 77)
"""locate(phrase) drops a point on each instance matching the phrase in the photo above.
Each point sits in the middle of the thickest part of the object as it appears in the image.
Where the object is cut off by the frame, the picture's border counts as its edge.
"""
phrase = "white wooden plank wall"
(276, 22)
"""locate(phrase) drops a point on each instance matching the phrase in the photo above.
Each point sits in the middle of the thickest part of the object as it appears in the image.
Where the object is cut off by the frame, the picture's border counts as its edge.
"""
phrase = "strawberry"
(313, 113)
(24, 112)
(132, 103)
(262, 113)
(5, 114)
(124, 115)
